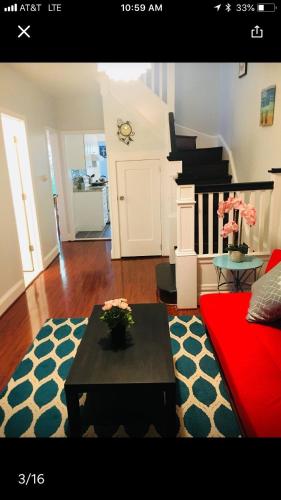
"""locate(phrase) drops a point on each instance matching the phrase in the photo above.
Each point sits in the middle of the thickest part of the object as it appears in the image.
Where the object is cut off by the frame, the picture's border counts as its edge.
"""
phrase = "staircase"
(203, 166)
(199, 166)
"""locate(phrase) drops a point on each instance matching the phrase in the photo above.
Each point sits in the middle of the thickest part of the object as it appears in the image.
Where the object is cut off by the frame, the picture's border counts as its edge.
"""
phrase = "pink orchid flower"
(230, 227)
(249, 214)
(232, 202)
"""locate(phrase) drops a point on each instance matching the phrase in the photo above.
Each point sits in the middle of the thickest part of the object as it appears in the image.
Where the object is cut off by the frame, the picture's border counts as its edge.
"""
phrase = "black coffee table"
(131, 384)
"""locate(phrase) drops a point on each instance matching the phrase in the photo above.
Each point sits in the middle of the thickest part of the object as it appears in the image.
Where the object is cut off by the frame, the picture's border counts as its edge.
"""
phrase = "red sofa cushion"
(275, 258)
(250, 357)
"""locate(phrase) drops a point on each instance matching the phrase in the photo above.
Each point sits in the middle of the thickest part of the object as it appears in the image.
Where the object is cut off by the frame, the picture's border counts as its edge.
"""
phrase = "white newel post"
(275, 211)
(186, 258)
(173, 169)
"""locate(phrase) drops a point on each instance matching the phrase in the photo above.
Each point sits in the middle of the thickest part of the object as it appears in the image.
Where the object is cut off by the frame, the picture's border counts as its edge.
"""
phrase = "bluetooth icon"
(228, 7)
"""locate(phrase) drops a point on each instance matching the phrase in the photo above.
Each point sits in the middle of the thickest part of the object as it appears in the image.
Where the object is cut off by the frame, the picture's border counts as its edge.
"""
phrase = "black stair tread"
(166, 277)
(197, 156)
(181, 180)
(188, 136)
(218, 168)
(205, 175)
(206, 150)
(210, 163)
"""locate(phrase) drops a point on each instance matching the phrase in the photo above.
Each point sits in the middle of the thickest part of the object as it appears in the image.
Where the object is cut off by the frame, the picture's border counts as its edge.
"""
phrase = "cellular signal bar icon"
(11, 8)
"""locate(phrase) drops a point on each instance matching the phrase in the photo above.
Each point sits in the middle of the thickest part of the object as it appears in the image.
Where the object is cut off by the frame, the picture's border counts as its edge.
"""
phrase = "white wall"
(198, 96)
(18, 95)
(10, 261)
(80, 112)
(255, 149)
(134, 102)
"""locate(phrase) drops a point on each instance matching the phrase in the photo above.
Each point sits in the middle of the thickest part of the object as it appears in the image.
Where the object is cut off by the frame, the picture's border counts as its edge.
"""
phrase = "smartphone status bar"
(32, 7)
(246, 8)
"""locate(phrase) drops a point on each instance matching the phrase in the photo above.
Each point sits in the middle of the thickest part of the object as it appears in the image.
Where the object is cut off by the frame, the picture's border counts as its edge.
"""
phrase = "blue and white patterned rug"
(33, 403)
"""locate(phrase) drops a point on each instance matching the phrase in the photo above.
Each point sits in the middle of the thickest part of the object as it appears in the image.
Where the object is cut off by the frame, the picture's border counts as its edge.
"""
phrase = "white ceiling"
(61, 79)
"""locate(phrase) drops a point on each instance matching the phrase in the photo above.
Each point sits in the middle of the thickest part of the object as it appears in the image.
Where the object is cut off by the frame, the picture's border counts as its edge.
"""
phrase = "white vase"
(236, 256)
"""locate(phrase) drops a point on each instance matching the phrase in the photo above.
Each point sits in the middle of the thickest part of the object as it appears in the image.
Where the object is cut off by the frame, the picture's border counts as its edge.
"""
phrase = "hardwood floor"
(83, 275)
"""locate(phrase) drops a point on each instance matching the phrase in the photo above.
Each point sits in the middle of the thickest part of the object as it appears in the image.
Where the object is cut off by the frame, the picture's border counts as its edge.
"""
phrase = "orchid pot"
(236, 256)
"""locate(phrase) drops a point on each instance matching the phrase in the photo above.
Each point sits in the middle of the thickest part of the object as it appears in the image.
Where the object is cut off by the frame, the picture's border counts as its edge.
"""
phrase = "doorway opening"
(86, 159)
(16, 148)
(54, 183)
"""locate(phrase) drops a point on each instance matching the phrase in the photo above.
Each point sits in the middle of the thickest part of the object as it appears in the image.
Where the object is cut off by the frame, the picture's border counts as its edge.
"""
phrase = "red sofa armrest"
(275, 258)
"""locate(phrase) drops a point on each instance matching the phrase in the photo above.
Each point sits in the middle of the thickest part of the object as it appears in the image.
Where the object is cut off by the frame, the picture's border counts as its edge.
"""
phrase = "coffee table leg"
(73, 410)
(170, 420)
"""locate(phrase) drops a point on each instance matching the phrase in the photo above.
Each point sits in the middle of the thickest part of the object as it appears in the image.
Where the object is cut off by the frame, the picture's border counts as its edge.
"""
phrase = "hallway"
(83, 275)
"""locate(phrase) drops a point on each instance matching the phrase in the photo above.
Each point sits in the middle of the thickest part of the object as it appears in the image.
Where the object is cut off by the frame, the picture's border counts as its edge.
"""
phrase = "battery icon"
(266, 7)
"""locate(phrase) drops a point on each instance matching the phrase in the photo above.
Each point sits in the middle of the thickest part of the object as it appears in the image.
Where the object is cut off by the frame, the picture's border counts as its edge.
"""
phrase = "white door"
(139, 207)
(56, 170)
(18, 163)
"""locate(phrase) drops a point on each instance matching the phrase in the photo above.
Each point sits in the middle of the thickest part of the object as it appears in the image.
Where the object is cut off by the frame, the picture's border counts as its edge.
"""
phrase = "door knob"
(121, 198)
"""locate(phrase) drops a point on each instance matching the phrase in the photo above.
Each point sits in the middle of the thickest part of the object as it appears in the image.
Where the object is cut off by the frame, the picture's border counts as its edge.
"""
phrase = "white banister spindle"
(230, 217)
(275, 211)
(261, 210)
(164, 81)
(245, 235)
(268, 195)
(241, 194)
(220, 226)
(144, 78)
(171, 87)
(210, 222)
(186, 258)
(161, 80)
(152, 78)
(200, 222)
(252, 201)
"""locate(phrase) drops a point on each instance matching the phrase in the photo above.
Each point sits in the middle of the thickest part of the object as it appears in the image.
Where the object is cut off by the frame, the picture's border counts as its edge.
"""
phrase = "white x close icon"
(24, 31)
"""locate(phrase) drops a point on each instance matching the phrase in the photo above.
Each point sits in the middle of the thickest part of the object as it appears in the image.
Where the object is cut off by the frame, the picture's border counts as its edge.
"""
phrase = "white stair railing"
(196, 209)
(209, 242)
(161, 80)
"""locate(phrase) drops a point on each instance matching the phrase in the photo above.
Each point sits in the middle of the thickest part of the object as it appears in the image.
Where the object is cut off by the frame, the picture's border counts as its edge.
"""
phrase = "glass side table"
(240, 272)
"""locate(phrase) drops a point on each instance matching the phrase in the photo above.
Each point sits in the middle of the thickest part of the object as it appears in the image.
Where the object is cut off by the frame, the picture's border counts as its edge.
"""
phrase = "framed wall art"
(267, 106)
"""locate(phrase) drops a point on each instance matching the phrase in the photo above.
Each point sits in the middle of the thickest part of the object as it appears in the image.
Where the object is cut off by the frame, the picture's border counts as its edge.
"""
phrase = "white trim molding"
(203, 140)
(47, 259)
(11, 296)
(227, 155)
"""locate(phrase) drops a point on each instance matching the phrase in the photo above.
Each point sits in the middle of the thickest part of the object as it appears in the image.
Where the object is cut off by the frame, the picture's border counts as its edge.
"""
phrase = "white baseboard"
(47, 259)
(208, 288)
(11, 295)
(67, 237)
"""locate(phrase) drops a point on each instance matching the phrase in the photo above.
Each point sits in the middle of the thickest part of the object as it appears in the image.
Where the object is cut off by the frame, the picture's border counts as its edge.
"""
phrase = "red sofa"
(250, 358)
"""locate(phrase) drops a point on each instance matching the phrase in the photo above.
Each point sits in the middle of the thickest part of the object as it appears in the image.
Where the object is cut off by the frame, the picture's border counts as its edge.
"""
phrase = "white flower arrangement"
(117, 312)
